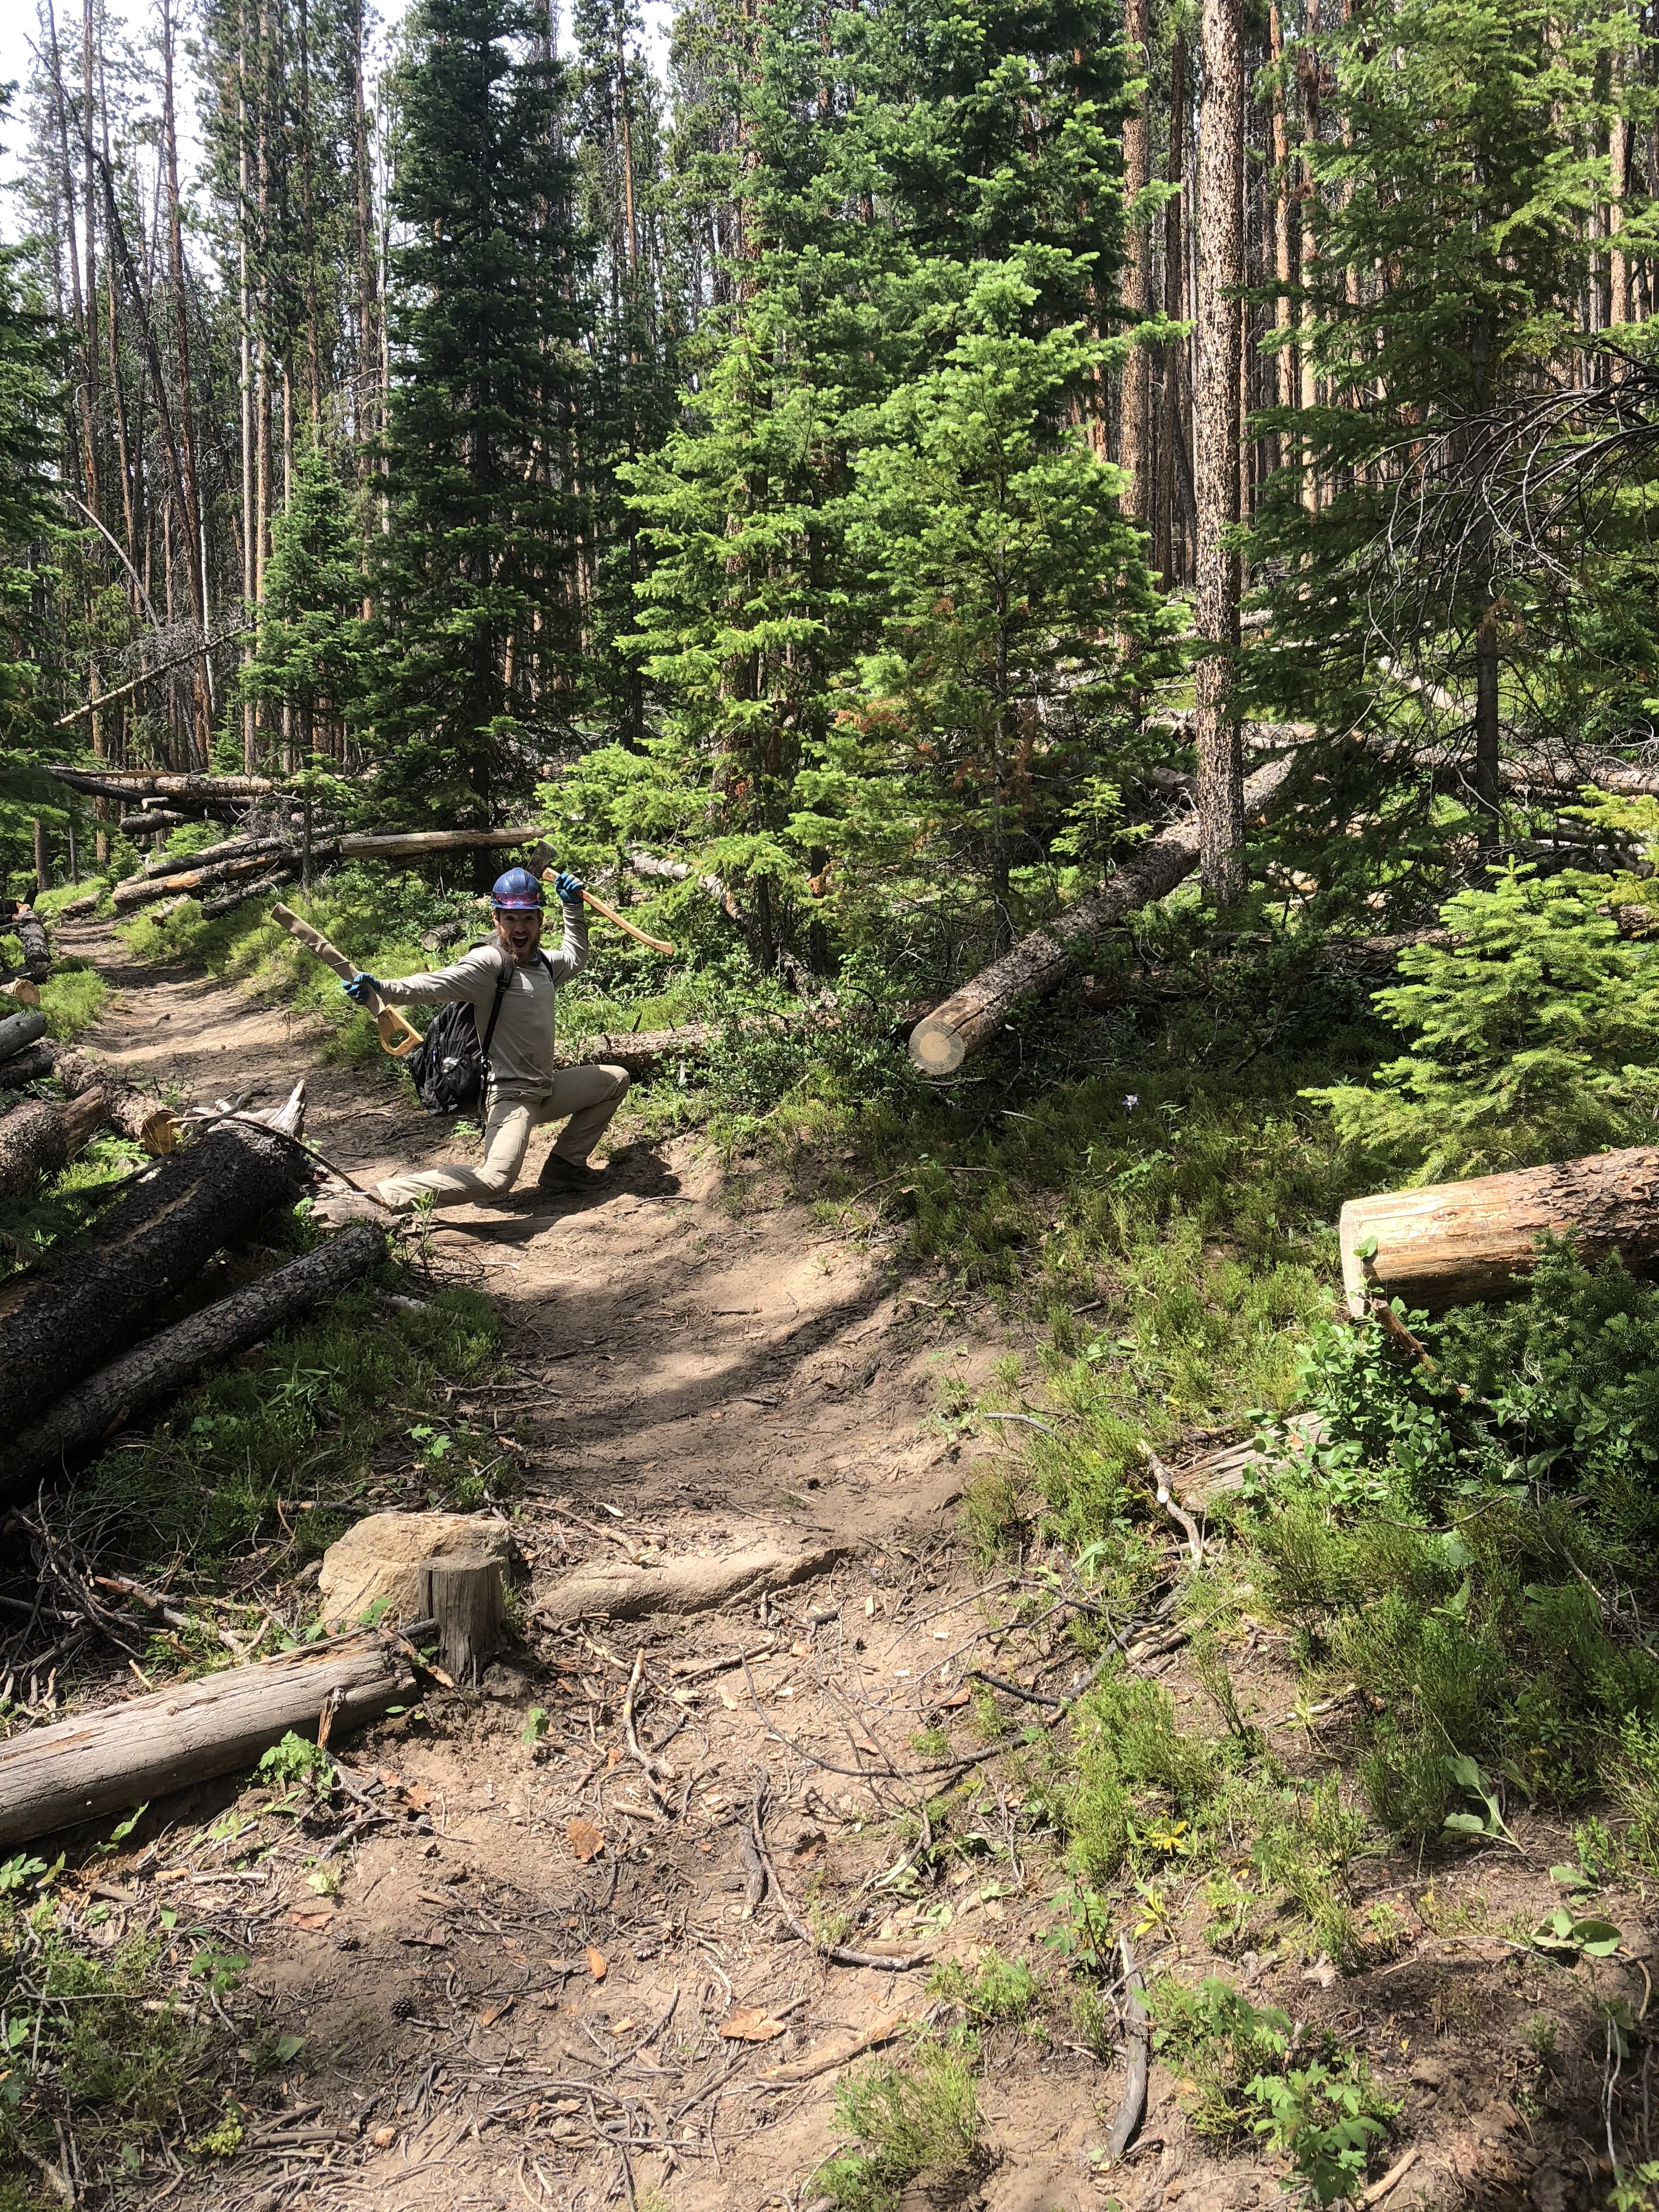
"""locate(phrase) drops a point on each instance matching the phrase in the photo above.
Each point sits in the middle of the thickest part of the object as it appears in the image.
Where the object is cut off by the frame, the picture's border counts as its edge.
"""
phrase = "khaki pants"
(590, 1095)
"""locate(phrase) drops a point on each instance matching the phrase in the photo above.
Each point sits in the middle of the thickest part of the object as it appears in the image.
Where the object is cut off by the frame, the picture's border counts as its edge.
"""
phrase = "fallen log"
(150, 1122)
(89, 902)
(107, 1761)
(693, 1584)
(152, 820)
(163, 1365)
(1038, 963)
(32, 1065)
(31, 932)
(1453, 1243)
(401, 845)
(228, 900)
(206, 856)
(21, 991)
(17, 1030)
(1369, 957)
(129, 783)
(141, 890)
(91, 1296)
(42, 1137)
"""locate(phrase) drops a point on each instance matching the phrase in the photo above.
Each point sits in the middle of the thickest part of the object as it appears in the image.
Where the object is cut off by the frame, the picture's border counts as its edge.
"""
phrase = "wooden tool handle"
(398, 1035)
(657, 944)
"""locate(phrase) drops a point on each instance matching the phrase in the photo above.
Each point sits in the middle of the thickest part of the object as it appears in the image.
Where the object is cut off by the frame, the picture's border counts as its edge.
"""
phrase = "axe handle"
(657, 944)
(398, 1035)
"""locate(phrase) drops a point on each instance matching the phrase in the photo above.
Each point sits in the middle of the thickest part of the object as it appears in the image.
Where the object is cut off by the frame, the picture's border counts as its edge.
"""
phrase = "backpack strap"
(495, 1014)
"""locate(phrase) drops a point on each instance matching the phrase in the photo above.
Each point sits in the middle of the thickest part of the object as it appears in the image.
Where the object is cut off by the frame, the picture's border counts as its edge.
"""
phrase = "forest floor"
(530, 1929)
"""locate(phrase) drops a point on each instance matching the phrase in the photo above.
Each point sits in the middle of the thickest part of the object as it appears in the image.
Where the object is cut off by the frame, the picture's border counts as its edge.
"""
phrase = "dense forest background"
(892, 463)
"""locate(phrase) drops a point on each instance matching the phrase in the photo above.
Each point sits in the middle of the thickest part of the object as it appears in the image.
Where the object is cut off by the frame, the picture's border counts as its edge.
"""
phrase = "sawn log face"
(1452, 1242)
(93, 1297)
(107, 1761)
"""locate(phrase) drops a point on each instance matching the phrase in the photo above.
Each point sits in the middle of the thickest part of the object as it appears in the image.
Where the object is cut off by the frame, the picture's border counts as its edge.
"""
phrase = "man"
(522, 1086)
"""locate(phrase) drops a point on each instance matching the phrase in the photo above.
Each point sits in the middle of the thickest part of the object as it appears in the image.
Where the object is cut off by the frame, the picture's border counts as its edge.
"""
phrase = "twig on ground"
(839, 1954)
(1132, 2106)
(1013, 1689)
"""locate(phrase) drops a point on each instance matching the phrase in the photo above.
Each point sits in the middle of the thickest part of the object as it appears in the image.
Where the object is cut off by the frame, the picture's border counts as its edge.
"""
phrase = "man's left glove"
(361, 984)
(569, 888)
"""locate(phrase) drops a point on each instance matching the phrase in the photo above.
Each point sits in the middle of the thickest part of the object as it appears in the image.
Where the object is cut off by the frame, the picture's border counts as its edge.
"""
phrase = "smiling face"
(519, 929)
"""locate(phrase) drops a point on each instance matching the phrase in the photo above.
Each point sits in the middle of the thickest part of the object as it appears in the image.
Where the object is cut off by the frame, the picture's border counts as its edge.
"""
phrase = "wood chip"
(751, 2024)
(496, 2012)
(585, 1840)
(597, 1965)
(318, 1916)
(957, 1698)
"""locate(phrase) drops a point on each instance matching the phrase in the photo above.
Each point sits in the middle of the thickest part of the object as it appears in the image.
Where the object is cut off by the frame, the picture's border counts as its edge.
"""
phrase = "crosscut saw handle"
(398, 1036)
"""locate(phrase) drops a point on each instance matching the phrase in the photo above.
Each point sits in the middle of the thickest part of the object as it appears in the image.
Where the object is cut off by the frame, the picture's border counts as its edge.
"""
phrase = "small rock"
(383, 2138)
(505, 1682)
(1428, 2073)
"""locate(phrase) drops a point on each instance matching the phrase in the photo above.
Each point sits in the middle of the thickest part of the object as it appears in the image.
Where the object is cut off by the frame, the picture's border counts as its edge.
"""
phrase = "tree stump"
(463, 1593)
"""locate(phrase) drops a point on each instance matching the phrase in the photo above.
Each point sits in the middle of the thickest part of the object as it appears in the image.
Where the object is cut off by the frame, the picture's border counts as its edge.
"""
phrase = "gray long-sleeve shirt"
(521, 1051)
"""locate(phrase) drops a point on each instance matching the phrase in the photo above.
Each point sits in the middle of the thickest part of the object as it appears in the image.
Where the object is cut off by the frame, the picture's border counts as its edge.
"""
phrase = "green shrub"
(994, 1990)
(1534, 1036)
(903, 2123)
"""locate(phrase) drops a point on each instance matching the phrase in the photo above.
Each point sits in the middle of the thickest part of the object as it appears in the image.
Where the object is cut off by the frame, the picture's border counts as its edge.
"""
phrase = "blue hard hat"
(517, 888)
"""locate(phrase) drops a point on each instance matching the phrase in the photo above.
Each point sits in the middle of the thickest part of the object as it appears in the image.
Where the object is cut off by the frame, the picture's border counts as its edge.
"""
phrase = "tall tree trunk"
(1173, 450)
(1216, 445)
(1308, 78)
(1135, 425)
(190, 497)
(1286, 358)
(1487, 733)
(245, 353)
(1621, 308)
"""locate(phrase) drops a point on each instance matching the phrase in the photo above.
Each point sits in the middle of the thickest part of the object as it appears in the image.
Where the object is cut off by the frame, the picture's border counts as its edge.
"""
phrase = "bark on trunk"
(1135, 439)
(135, 1114)
(208, 856)
(1219, 235)
(107, 1761)
(155, 783)
(31, 933)
(399, 845)
(228, 900)
(141, 890)
(33, 1065)
(40, 1139)
(17, 1030)
(463, 1593)
(1039, 962)
(88, 902)
(147, 824)
(89, 1297)
(1452, 1242)
(164, 1363)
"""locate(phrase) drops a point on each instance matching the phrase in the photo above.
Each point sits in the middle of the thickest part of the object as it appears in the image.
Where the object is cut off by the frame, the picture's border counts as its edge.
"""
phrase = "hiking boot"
(560, 1175)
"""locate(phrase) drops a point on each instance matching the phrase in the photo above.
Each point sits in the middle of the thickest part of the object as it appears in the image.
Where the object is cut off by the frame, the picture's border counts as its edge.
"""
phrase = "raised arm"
(572, 955)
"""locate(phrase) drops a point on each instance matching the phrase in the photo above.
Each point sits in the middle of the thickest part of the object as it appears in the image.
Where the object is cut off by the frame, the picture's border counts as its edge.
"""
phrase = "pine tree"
(475, 571)
(313, 658)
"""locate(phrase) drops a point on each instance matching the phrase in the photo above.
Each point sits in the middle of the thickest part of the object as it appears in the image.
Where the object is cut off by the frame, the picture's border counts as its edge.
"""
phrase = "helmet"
(517, 890)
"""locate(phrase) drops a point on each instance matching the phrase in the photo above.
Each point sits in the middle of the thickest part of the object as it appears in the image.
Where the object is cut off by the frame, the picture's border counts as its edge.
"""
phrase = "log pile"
(26, 1056)
(80, 1352)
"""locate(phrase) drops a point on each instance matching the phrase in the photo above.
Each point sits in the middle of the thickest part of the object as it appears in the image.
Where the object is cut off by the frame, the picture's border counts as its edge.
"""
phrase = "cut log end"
(21, 991)
(936, 1047)
(463, 1593)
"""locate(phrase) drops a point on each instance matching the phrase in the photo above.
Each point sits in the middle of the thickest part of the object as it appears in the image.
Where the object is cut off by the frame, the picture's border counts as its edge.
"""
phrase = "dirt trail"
(487, 2015)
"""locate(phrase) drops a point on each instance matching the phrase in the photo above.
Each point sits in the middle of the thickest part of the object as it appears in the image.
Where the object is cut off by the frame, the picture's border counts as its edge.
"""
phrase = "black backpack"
(450, 1068)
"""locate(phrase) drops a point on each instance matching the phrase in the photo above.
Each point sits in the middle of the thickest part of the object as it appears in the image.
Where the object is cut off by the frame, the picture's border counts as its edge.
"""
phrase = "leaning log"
(1038, 963)
(153, 818)
(163, 1365)
(1454, 1243)
(142, 890)
(205, 856)
(110, 1760)
(76, 908)
(137, 1113)
(17, 1030)
(239, 894)
(90, 1297)
(42, 1137)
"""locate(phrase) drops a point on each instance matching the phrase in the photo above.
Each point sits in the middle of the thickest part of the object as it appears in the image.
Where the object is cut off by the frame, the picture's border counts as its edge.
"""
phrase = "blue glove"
(361, 984)
(569, 888)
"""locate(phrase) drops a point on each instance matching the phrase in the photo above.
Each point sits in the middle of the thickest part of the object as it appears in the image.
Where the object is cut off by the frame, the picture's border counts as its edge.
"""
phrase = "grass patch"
(904, 2123)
